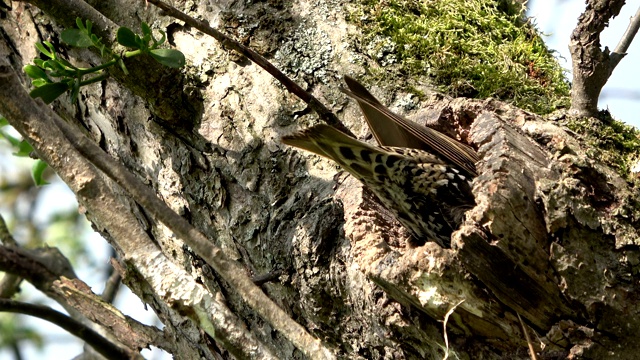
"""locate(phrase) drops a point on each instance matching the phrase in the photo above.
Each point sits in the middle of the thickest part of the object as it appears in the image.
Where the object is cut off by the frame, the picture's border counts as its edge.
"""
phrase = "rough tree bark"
(592, 65)
(553, 237)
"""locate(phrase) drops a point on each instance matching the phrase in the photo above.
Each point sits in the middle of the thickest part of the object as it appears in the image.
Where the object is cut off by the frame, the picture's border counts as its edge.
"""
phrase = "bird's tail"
(355, 156)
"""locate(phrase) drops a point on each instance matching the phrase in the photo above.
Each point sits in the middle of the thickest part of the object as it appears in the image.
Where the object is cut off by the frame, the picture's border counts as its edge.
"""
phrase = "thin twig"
(111, 286)
(5, 236)
(625, 41)
(315, 104)
(10, 283)
(444, 327)
(532, 351)
(100, 344)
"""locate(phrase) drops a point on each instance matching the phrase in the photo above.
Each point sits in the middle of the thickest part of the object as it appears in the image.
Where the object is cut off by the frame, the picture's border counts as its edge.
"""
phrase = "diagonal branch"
(18, 105)
(625, 41)
(95, 340)
(315, 104)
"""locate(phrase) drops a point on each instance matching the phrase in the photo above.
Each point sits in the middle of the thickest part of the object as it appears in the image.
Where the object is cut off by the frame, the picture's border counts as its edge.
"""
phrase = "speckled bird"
(421, 175)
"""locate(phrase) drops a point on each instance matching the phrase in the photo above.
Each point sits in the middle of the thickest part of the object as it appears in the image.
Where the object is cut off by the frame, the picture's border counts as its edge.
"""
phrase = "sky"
(556, 18)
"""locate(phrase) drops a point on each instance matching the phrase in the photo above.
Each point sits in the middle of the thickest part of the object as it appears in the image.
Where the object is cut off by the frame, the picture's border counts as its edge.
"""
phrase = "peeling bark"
(553, 237)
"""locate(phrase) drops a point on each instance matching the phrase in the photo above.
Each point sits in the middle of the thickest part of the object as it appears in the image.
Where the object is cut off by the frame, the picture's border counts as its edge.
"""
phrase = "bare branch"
(10, 283)
(315, 104)
(18, 105)
(625, 41)
(126, 330)
(5, 236)
(41, 266)
(591, 66)
(76, 328)
(111, 287)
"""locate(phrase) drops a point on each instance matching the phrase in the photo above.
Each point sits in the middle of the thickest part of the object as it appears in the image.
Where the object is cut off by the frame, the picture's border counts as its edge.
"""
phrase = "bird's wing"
(391, 129)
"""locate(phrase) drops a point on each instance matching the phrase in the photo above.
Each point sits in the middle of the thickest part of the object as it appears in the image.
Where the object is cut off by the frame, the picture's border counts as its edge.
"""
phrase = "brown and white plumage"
(427, 195)
(391, 129)
(421, 175)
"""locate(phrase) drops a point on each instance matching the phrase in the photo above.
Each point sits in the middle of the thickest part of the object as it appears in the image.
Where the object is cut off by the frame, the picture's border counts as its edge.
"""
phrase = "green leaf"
(101, 47)
(64, 63)
(147, 35)
(34, 72)
(57, 69)
(52, 65)
(50, 46)
(4, 122)
(97, 42)
(24, 149)
(89, 24)
(76, 37)
(44, 51)
(37, 172)
(168, 57)
(49, 92)
(39, 82)
(79, 23)
(127, 38)
(146, 30)
(162, 39)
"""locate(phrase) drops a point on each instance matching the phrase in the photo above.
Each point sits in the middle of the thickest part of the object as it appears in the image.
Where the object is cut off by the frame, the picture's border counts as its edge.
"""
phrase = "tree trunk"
(553, 238)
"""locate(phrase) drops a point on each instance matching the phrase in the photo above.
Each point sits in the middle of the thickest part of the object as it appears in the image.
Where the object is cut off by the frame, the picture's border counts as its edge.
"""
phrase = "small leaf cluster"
(24, 149)
(54, 75)
(147, 44)
(70, 77)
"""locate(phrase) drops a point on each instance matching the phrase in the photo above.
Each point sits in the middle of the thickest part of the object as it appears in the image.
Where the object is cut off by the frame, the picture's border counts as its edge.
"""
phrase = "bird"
(423, 177)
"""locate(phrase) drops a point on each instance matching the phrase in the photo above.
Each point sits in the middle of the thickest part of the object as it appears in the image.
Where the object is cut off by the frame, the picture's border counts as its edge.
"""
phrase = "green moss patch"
(612, 142)
(471, 48)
